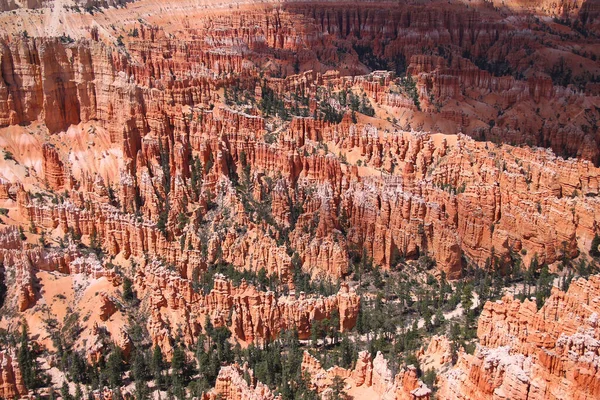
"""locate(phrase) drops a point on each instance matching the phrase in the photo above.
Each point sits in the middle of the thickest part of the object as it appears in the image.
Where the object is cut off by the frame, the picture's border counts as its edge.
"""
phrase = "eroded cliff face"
(11, 382)
(506, 74)
(370, 378)
(159, 142)
(149, 120)
(174, 307)
(442, 198)
(525, 353)
(252, 316)
(232, 385)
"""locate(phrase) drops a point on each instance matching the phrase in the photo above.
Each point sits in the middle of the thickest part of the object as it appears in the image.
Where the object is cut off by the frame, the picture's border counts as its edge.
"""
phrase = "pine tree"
(338, 391)
(427, 321)
(142, 391)
(467, 297)
(94, 241)
(347, 352)
(207, 364)
(77, 368)
(139, 369)
(157, 366)
(78, 392)
(64, 391)
(315, 332)
(178, 372)
(26, 360)
(208, 329)
(360, 320)
(221, 337)
(128, 294)
(114, 367)
(439, 317)
(594, 250)
(430, 377)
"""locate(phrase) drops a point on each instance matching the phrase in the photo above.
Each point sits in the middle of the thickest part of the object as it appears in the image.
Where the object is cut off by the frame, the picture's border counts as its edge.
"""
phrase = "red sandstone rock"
(368, 373)
(319, 378)
(137, 115)
(529, 354)
(110, 394)
(363, 371)
(255, 316)
(437, 355)
(11, 383)
(107, 307)
(54, 173)
(231, 385)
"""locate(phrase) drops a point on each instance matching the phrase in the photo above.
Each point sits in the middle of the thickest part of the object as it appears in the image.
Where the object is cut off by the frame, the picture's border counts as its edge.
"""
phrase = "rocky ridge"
(373, 375)
(525, 353)
(283, 142)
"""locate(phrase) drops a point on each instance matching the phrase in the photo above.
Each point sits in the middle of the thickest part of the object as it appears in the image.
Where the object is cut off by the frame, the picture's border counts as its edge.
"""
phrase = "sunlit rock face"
(148, 144)
(525, 353)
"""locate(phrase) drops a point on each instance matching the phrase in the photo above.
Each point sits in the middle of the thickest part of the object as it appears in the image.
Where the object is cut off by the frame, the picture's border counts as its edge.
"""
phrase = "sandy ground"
(59, 296)
(87, 147)
(361, 392)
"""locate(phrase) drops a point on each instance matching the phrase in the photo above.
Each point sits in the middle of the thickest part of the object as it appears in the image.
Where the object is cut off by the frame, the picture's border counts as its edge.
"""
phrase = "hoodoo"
(299, 199)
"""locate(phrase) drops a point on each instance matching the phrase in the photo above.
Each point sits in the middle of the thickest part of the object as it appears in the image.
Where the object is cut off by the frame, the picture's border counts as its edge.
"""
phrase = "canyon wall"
(150, 118)
(525, 353)
(370, 378)
(11, 382)
(231, 385)
(251, 315)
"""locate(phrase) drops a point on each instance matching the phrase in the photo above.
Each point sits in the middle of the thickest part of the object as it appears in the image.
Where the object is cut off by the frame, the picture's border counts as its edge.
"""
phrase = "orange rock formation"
(159, 139)
(525, 353)
(11, 383)
(231, 385)
(372, 376)
(251, 315)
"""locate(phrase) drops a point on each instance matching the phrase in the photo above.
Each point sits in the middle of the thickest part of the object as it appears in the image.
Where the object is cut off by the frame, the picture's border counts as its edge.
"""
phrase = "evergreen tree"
(427, 321)
(208, 329)
(543, 286)
(377, 281)
(78, 392)
(360, 320)
(64, 391)
(157, 366)
(220, 339)
(347, 353)
(338, 391)
(208, 364)
(594, 250)
(315, 332)
(439, 317)
(532, 270)
(430, 377)
(128, 294)
(178, 372)
(139, 369)
(77, 368)
(142, 391)
(467, 297)
(27, 361)
(114, 367)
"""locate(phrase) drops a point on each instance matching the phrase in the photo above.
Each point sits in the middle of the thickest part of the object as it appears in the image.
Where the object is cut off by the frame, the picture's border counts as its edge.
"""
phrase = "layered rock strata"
(370, 377)
(251, 315)
(231, 385)
(525, 353)
(11, 382)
